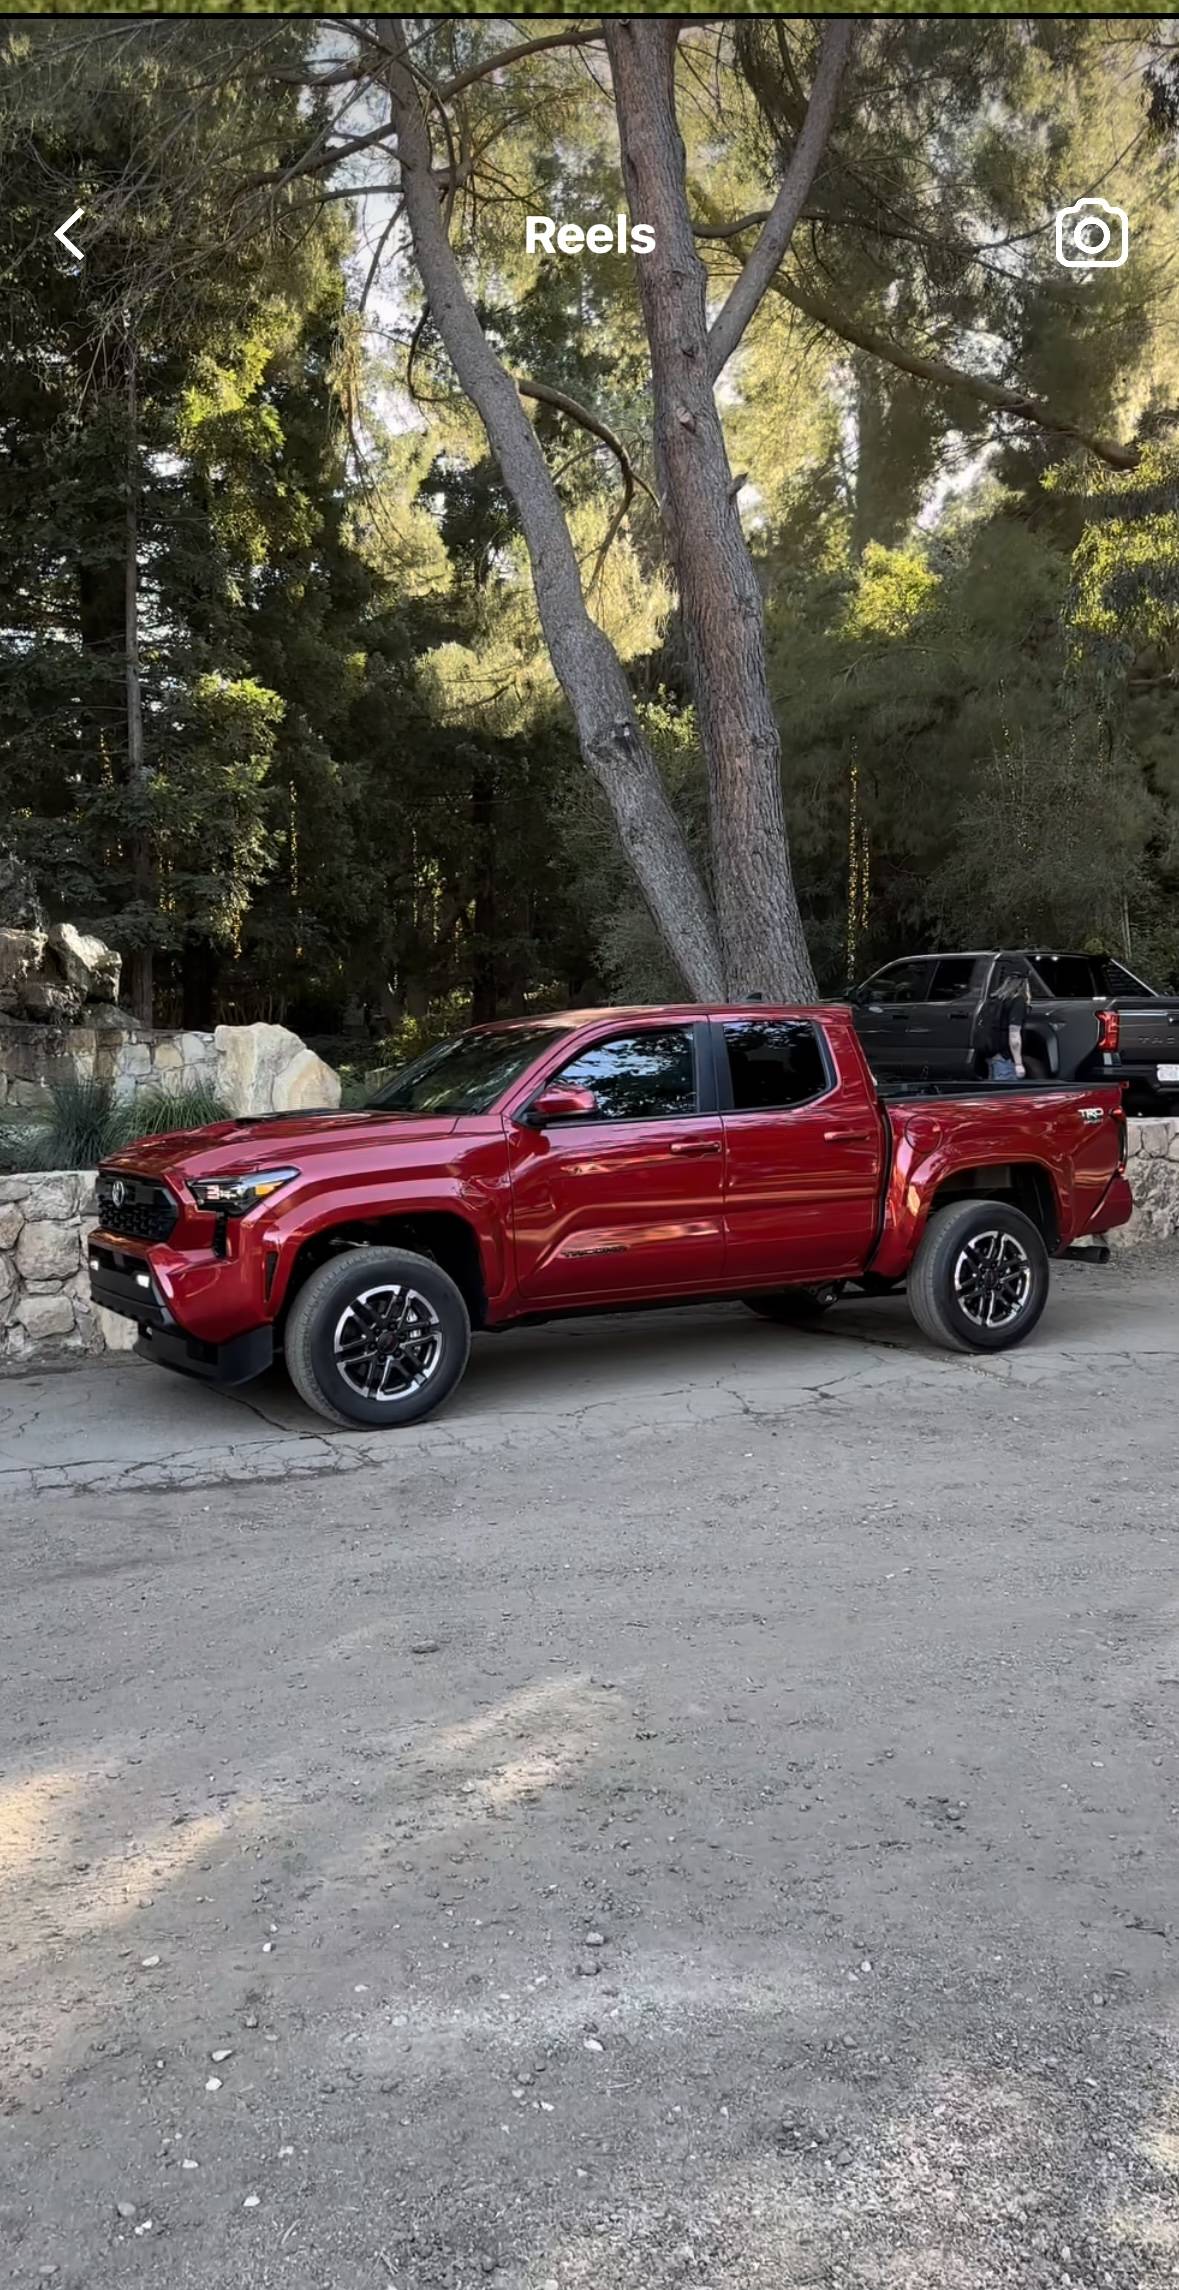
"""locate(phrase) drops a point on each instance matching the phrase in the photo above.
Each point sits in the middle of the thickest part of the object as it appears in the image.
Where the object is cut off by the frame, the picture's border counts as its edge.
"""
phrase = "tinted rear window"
(1086, 977)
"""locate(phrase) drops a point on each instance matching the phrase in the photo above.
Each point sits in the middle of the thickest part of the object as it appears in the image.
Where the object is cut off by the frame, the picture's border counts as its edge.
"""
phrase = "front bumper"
(121, 1280)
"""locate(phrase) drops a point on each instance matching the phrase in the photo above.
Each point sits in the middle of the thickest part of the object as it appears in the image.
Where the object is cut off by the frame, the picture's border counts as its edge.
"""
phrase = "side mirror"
(560, 1104)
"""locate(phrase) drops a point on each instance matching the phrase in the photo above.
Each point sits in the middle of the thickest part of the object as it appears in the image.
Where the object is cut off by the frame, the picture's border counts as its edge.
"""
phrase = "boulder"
(11, 1220)
(20, 907)
(20, 958)
(259, 1067)
(305, 1084)
(48, 999)
(88, 965)
(109, 1016)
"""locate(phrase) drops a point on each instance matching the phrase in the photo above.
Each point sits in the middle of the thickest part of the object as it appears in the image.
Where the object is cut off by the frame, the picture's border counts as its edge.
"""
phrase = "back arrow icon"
(60, 232)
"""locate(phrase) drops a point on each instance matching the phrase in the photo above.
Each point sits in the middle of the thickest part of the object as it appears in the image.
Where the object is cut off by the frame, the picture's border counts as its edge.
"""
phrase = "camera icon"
(1092, 235)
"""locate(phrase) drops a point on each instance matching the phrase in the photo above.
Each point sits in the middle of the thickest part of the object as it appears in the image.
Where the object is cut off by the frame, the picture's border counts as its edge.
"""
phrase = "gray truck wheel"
(377, 1336)
(795, 1307)
(979, 1280)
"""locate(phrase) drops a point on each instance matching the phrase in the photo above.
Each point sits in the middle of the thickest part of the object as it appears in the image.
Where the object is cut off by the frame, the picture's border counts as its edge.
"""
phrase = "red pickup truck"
(592, 1160)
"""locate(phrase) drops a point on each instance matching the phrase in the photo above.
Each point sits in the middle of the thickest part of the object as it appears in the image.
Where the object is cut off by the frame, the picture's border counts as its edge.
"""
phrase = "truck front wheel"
(377, 1336)
(979, 1280)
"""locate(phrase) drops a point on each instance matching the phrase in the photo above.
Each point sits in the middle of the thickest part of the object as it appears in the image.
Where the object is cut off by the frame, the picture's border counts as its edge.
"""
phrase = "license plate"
(1169, 1073)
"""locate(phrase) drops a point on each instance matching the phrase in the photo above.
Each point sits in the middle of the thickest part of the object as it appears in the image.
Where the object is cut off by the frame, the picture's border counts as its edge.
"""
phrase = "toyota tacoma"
(591, 1161)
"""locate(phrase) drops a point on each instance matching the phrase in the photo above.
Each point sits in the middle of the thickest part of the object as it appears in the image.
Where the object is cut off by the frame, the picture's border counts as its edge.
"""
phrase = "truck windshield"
(466, 1075)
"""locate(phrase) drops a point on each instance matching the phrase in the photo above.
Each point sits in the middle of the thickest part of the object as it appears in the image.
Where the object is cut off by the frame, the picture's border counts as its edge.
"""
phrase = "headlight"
(233, 1196)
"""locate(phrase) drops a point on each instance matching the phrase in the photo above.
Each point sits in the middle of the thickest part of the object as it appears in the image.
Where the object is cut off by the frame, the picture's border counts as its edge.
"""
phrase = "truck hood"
(303, 1139)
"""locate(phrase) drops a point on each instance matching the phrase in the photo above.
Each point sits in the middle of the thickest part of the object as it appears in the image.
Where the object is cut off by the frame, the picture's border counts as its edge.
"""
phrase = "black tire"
(795, 1307)
(332, 1347)
(1036, 1066)
(956, 1275)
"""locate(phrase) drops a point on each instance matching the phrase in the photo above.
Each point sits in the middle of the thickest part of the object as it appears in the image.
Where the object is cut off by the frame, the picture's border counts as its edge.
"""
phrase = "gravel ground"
(723, 1838)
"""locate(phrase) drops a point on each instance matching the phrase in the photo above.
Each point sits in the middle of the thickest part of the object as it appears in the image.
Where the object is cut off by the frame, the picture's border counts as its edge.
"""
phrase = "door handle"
(697, 1147)
(848, 1136)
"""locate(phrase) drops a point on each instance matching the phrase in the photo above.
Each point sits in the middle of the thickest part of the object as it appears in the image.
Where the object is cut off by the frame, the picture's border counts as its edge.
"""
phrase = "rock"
(42, 1317)
(47, 999)
(47, 1250)
(20, 907)
(168, 1057)
(11, 1220)
(127, 2210)
(265, 1069)
(20, 960)
(425, 1646)
(213, 2083)
(595, 1939)
(111, 1018)
(118, 1334)
(305, 1085)
(89, 966)
(53, 1195)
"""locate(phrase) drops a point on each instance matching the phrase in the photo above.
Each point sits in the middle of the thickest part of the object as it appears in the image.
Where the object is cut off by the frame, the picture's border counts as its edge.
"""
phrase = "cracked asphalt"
(701, 1811)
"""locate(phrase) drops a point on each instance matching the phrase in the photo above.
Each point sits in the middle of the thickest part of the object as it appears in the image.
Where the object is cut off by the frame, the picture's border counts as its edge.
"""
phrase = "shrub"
(72, 1132)
(159, 1110)
(83, 1122)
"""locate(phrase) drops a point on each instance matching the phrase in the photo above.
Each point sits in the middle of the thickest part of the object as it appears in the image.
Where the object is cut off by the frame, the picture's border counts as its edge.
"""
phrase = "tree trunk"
(763, 948)
(140, 984)
(588, 668)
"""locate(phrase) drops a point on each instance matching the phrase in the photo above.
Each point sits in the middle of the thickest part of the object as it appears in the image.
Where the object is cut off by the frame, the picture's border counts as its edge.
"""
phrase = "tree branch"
(545, 395)
(769, 252)
(1018, 403)
(999, 395)
(505, 56)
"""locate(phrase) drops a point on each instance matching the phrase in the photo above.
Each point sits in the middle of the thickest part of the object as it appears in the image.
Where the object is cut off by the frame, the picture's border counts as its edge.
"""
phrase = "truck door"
(626, 1202)
(945, 1023)
(884, 1009)
(804, 1151)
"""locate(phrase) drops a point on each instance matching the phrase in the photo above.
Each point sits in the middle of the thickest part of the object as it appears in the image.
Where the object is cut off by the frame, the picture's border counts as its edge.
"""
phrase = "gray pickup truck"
(1090, 1019)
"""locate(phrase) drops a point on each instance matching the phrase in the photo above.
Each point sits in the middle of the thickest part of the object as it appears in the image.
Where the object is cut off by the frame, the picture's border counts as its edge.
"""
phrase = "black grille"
(137, 1208)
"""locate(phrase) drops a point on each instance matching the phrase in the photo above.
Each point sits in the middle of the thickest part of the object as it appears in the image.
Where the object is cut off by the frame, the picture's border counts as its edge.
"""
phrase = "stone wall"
(251, 1069)
(45, 1308)
(1153, 1169)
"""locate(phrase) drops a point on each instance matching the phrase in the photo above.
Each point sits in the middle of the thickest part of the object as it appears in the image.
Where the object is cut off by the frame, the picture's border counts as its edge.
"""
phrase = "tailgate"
(1148, 1032)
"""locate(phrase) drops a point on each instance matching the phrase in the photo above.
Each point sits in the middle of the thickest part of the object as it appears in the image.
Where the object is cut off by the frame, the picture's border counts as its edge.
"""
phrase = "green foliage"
(363, 805)
(74, 1131)
(156, 1112)
(83, 1122)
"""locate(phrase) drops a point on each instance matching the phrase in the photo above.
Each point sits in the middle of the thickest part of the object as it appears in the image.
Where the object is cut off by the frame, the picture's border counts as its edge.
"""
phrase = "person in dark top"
(1003, 1017)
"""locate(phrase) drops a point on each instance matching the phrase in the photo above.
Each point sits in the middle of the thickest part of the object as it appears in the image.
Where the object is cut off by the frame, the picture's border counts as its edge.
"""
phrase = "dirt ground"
(702, 1813)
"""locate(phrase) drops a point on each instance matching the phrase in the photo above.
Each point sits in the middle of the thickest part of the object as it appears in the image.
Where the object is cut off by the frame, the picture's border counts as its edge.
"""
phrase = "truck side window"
(637, 1077)
(774, 1064)
(901, 982)
(954, 979)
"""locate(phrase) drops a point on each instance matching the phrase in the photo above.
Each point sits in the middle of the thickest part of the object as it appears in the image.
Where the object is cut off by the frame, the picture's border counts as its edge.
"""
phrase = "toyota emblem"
(118, 1193)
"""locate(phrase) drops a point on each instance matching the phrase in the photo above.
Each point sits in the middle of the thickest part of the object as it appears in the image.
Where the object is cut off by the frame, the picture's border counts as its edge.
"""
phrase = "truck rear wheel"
(979, 1280)
(377, 1336)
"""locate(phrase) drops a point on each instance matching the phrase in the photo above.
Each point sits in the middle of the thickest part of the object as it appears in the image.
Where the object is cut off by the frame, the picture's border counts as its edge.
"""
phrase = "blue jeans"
(1002, 1069)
